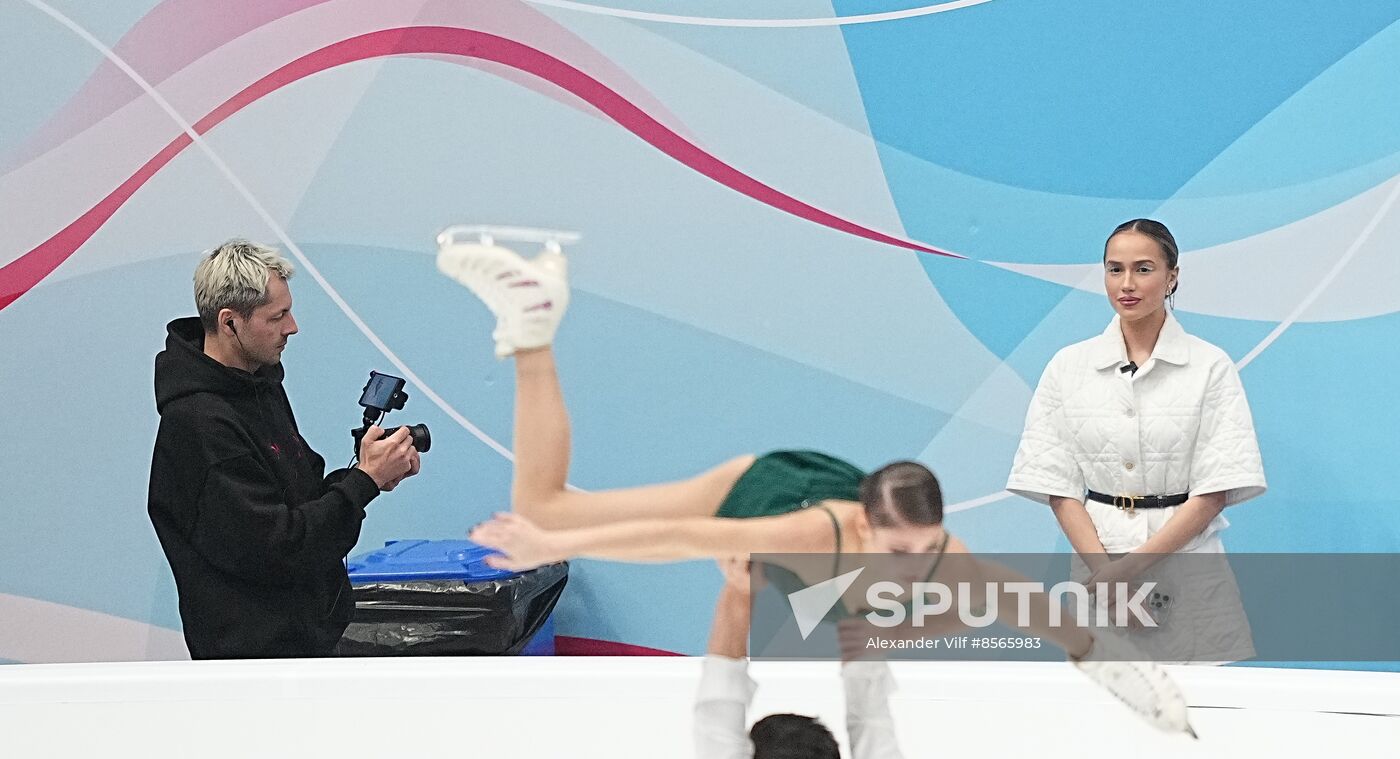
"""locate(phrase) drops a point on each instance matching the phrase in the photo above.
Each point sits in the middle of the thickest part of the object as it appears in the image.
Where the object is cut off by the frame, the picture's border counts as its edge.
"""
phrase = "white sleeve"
(868, 722)
(721, 709)
(1226, 455)
(1045, 464)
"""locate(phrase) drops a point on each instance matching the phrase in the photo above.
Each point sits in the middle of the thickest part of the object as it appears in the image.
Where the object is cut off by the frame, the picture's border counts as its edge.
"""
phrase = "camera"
(384, 393)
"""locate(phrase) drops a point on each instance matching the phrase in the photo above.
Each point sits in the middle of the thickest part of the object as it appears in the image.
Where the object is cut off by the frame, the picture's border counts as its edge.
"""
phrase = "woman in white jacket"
(1138, 439)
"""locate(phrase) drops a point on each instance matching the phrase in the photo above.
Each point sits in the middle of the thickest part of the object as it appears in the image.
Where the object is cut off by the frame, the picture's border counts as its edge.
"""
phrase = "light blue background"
(1012, 131)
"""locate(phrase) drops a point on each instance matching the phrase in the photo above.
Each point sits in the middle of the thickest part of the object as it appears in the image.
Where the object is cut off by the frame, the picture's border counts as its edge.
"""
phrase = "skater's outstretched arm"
(525, 546)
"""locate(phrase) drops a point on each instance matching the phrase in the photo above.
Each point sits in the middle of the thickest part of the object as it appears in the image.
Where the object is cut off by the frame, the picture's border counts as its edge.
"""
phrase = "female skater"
(783, 502)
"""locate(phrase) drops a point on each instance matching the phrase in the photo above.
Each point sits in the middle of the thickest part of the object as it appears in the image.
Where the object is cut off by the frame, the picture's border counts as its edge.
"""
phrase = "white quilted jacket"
(1180, 425)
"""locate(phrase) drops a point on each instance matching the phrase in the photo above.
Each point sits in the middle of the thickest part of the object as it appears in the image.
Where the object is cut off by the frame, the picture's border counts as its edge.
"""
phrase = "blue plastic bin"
(438, 597)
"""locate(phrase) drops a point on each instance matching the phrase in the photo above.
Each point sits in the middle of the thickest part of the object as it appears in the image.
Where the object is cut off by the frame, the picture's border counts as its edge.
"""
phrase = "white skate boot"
(528, 297)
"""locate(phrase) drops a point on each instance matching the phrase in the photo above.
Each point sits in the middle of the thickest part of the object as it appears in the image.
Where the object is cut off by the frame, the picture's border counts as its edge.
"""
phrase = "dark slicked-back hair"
(904, 492)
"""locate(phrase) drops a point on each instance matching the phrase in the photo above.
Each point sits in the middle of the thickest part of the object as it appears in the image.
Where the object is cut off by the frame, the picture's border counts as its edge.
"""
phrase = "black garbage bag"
(505, 614)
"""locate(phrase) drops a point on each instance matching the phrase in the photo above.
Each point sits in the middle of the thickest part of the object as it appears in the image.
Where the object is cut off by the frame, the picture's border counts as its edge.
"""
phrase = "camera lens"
(422, 440)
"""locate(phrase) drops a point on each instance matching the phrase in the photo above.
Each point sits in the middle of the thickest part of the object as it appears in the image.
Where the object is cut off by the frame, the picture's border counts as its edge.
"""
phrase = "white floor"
(640, 707)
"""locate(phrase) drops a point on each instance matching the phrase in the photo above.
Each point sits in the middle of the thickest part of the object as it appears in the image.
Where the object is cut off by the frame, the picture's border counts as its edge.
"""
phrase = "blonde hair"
(235, 276)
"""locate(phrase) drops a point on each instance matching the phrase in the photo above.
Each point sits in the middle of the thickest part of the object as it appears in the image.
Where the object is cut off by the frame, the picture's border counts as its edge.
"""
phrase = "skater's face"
(905, 538)
(913, 544)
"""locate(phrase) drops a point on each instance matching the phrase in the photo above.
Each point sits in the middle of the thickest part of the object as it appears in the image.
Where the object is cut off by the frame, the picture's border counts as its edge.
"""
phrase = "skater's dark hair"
(902, 493)
(792, 736)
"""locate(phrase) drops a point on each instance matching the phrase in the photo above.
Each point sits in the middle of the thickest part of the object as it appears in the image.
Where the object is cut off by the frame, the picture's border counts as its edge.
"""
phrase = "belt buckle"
(1126, 503)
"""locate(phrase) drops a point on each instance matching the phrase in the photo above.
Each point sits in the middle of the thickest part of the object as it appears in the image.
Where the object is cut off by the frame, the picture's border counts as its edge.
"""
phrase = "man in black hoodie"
(254, 532)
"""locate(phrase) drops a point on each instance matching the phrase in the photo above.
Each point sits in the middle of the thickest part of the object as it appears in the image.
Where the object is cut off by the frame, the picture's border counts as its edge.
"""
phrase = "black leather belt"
(1134, 502)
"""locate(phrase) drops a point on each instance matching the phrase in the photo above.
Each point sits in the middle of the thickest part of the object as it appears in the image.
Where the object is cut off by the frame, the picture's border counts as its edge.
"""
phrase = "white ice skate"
(528, 297)
(1142, 685)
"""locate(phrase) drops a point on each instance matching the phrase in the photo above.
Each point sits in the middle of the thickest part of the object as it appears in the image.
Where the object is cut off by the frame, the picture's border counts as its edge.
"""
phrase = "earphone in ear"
(231, 327)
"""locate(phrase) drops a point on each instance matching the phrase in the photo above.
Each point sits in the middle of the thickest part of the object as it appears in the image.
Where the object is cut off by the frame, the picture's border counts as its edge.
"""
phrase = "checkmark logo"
(811, 604)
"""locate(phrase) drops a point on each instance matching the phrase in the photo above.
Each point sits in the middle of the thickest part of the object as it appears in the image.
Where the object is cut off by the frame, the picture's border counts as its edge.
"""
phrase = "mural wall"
(861, 227)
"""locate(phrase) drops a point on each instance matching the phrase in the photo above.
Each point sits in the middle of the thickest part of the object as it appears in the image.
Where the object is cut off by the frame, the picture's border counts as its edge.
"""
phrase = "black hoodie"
(254, 533)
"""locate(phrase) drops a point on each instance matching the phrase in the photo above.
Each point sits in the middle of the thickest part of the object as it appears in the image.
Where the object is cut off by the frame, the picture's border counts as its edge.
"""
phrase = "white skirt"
(1203, 619)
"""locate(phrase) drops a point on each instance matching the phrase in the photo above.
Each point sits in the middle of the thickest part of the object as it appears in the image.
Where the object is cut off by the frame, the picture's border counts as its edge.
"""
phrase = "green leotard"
(785, 481)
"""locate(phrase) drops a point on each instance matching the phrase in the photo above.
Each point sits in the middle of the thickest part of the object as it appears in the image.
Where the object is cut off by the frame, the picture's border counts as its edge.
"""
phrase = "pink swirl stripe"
(20, 275)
